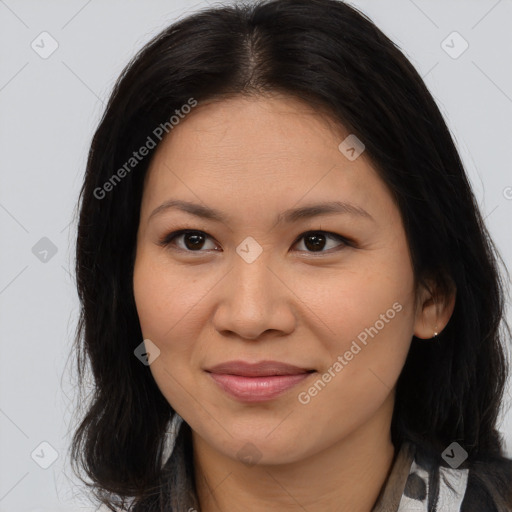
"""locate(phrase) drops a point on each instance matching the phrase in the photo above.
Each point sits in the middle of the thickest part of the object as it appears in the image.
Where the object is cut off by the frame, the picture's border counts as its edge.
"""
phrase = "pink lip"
(259, 381)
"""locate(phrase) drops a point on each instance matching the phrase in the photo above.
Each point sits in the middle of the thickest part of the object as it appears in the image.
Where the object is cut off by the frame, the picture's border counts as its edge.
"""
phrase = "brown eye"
(193, 241)
(316, 241)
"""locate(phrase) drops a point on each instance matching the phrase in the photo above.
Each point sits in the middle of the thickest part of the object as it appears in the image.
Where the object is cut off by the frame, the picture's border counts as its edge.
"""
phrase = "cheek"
(166, 303)
(163, 296)
(366, 317)
(365, 348)
(351, 303)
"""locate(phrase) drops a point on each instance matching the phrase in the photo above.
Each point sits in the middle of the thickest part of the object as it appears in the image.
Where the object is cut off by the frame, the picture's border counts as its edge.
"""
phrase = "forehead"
(258, 148)
(255, 126)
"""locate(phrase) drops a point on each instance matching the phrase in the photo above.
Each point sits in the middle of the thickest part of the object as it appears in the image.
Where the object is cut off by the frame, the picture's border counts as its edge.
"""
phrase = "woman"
(280, 259)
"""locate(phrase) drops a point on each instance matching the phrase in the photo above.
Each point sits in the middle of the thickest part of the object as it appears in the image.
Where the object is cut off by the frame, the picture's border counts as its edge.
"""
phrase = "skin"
(252, 158)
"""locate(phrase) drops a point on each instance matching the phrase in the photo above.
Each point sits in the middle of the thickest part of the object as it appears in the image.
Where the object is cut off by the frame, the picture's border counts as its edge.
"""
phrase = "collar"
(407, 488)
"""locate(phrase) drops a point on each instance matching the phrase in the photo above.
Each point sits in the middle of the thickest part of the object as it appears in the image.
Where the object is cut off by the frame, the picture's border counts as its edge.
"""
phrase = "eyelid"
(166, 240)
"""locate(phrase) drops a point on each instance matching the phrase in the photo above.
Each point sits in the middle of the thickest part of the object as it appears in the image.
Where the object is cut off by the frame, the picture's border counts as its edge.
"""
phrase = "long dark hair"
(331, 56)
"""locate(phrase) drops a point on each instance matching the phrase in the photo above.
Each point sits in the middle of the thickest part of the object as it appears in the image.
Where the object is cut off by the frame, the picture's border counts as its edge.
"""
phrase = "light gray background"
(49, 109)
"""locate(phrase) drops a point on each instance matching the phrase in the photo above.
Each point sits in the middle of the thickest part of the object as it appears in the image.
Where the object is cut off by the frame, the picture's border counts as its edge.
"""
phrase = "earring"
(435, 333)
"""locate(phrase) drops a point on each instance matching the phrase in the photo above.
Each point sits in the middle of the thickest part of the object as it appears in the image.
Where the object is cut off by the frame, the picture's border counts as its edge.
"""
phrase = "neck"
(346, 477)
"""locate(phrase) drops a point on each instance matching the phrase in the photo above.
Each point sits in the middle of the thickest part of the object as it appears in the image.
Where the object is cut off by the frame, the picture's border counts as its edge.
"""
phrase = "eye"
(194, 241)
(315, 241)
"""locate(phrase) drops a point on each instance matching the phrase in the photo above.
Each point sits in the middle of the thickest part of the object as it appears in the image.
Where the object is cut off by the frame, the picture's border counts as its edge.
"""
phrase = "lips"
(261, 369)
(257, 382)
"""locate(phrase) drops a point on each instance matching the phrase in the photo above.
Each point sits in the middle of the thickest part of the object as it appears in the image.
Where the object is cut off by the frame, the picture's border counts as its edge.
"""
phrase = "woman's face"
(266, 284)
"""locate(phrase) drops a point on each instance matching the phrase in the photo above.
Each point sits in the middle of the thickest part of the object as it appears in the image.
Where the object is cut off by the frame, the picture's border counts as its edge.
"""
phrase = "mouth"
(261, 369)
(257, 382)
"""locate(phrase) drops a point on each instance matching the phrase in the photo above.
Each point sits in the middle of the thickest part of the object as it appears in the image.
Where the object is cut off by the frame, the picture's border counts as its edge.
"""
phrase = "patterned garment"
(407, 488)
(416, 490)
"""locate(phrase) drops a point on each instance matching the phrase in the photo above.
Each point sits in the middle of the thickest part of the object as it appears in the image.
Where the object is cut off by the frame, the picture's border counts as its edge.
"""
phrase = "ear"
(433, 309)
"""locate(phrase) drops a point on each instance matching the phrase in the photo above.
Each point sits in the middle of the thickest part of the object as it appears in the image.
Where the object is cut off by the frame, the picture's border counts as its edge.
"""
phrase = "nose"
(254, 301)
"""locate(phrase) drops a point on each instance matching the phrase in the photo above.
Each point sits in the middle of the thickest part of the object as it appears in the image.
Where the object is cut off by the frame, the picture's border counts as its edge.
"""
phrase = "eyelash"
(167, 240)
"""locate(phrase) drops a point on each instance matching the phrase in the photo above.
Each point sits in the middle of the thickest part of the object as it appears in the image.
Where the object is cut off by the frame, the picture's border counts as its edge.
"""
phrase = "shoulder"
(483, 485)
(422, 487)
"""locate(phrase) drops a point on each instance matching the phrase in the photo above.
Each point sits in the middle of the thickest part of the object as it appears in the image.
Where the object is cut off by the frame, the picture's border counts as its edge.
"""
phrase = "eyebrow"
(287, 217)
